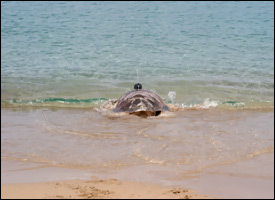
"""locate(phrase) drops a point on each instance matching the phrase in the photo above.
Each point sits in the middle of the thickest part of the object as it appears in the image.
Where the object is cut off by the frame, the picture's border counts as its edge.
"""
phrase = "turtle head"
(138, 86)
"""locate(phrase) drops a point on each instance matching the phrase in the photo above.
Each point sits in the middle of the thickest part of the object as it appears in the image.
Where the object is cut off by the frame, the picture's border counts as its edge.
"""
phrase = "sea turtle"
(140, 102)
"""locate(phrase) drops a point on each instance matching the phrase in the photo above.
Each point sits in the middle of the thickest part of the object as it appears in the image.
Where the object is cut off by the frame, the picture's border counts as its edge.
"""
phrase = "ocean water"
(223, 51)
(62, 63)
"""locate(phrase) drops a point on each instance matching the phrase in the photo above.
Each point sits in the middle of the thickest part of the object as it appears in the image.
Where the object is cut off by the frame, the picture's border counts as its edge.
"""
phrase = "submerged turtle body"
(141, 102)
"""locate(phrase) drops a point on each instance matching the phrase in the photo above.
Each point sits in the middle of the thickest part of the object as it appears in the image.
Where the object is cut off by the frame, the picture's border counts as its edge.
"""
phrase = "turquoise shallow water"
(61, 63)
(221, 51)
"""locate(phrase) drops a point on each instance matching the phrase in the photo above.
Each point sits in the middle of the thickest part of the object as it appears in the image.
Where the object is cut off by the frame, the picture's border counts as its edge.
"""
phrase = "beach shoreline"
(96, 189)
(65, 64)
(231, 154)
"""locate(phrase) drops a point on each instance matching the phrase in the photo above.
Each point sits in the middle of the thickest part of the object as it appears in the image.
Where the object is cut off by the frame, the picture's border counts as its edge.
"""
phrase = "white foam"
(209, 104)
(172, 95)
(205, 105)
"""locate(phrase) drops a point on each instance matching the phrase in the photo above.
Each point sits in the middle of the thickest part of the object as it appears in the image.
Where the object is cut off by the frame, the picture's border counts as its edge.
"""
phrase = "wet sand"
(95, 189)
(218, 153)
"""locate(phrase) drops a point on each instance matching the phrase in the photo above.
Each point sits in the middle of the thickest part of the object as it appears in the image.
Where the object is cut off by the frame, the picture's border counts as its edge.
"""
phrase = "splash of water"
(209, 104)
(172, 96)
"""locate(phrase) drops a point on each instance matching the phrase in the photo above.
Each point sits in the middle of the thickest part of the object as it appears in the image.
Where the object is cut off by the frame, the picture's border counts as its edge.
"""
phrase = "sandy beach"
(140, 162)
(95, 189)
(66, 64)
